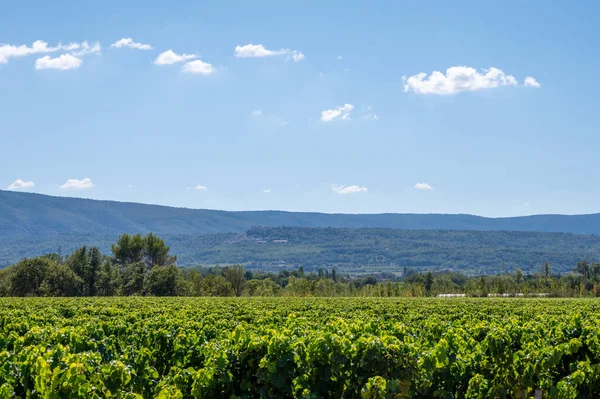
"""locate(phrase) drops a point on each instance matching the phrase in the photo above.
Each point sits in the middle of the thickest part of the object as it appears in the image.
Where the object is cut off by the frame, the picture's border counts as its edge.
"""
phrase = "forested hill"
(27, 215)
(354, 251)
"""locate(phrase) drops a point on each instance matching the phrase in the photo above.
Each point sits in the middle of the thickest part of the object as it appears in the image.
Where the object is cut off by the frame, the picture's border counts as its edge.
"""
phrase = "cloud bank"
(75, 184)
(129, 43)
(340, 112)
(457, 79)
(341, 189)
(259, 51)
(20, 185)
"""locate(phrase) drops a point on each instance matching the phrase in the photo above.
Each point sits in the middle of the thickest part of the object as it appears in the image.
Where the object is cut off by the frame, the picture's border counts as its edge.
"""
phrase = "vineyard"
(301, 348)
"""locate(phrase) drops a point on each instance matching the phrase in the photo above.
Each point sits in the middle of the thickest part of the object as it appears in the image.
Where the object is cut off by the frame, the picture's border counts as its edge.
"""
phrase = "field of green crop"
(303, 348)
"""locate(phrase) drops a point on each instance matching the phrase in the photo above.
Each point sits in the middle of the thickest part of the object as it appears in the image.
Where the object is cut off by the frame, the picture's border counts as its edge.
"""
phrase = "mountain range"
(27, 214)
(34, 224)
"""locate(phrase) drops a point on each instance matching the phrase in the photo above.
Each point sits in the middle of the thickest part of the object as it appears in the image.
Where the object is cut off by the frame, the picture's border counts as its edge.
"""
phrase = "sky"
(339, 107)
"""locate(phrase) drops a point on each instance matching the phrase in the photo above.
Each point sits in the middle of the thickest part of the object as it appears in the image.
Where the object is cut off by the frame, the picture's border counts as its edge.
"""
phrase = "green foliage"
(354, 251)
(164, 281)
(61, 280)
(235, 277)
(299, 347)
(108, 280)
(128, 249)
(156, 252)
(211, 285)
(28, 275)
(133, 278)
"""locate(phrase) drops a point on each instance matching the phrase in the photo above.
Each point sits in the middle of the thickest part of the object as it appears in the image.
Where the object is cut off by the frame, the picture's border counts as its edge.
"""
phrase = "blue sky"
(345, 121)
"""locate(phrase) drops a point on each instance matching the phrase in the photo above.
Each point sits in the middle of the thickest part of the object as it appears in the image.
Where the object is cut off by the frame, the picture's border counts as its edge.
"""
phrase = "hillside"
(357, 251)
(26, 215)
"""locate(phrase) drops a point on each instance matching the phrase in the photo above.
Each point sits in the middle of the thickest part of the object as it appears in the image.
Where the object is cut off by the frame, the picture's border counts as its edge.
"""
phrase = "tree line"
(143, 265)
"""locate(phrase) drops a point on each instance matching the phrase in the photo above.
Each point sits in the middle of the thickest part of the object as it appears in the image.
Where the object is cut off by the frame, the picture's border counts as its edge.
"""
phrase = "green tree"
(78, 261)
(92, 270)
(28, 275)
(133, 278)
(5, 281)
(214, 285)
(518, 276)
(235, 276)
(428, 282)
(546, 269)
(583, 267)
(108, 280)
(157, 252)
(128, 249)
(61, 280)
(164, 281)
(265, 287)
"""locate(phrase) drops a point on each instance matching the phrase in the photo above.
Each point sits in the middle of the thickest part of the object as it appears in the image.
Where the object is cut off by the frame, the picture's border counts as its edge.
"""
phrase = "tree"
(28, 276)
(546, 269)
(128, 249)
(235, 277)
(156, 252)
(92, 270)
(518, 276)
(214, 285)
(61, 280)
(482, 286)
(595, 272)
(78, 261)
(583, 267)
(133, 278)
(428, 282)
(5, 281)
(108, 280)
(266, 287)
(164, 281)
(298, 286)
(151, 250)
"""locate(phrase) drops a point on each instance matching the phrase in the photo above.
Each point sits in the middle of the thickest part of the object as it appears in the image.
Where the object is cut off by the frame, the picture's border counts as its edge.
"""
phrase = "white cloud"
(20, 185)
(457, 79)
(341, 112)
(526, 204)
(199, 67)
(368, 113)
(282, 122)
(341, 189)
(254, 50)
(170, 57)
(128, 42)
(258, 51)
(200, 188)
(531, 82)
(423, 186)
(268, 190)
(298, 56)
(76, 184)
(8, 51)
(256, 112)
(85, 48)
(63, 62)
(339, 57)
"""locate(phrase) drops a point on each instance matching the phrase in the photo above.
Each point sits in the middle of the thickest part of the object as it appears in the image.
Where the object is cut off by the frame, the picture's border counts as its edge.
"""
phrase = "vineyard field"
(299, 348)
